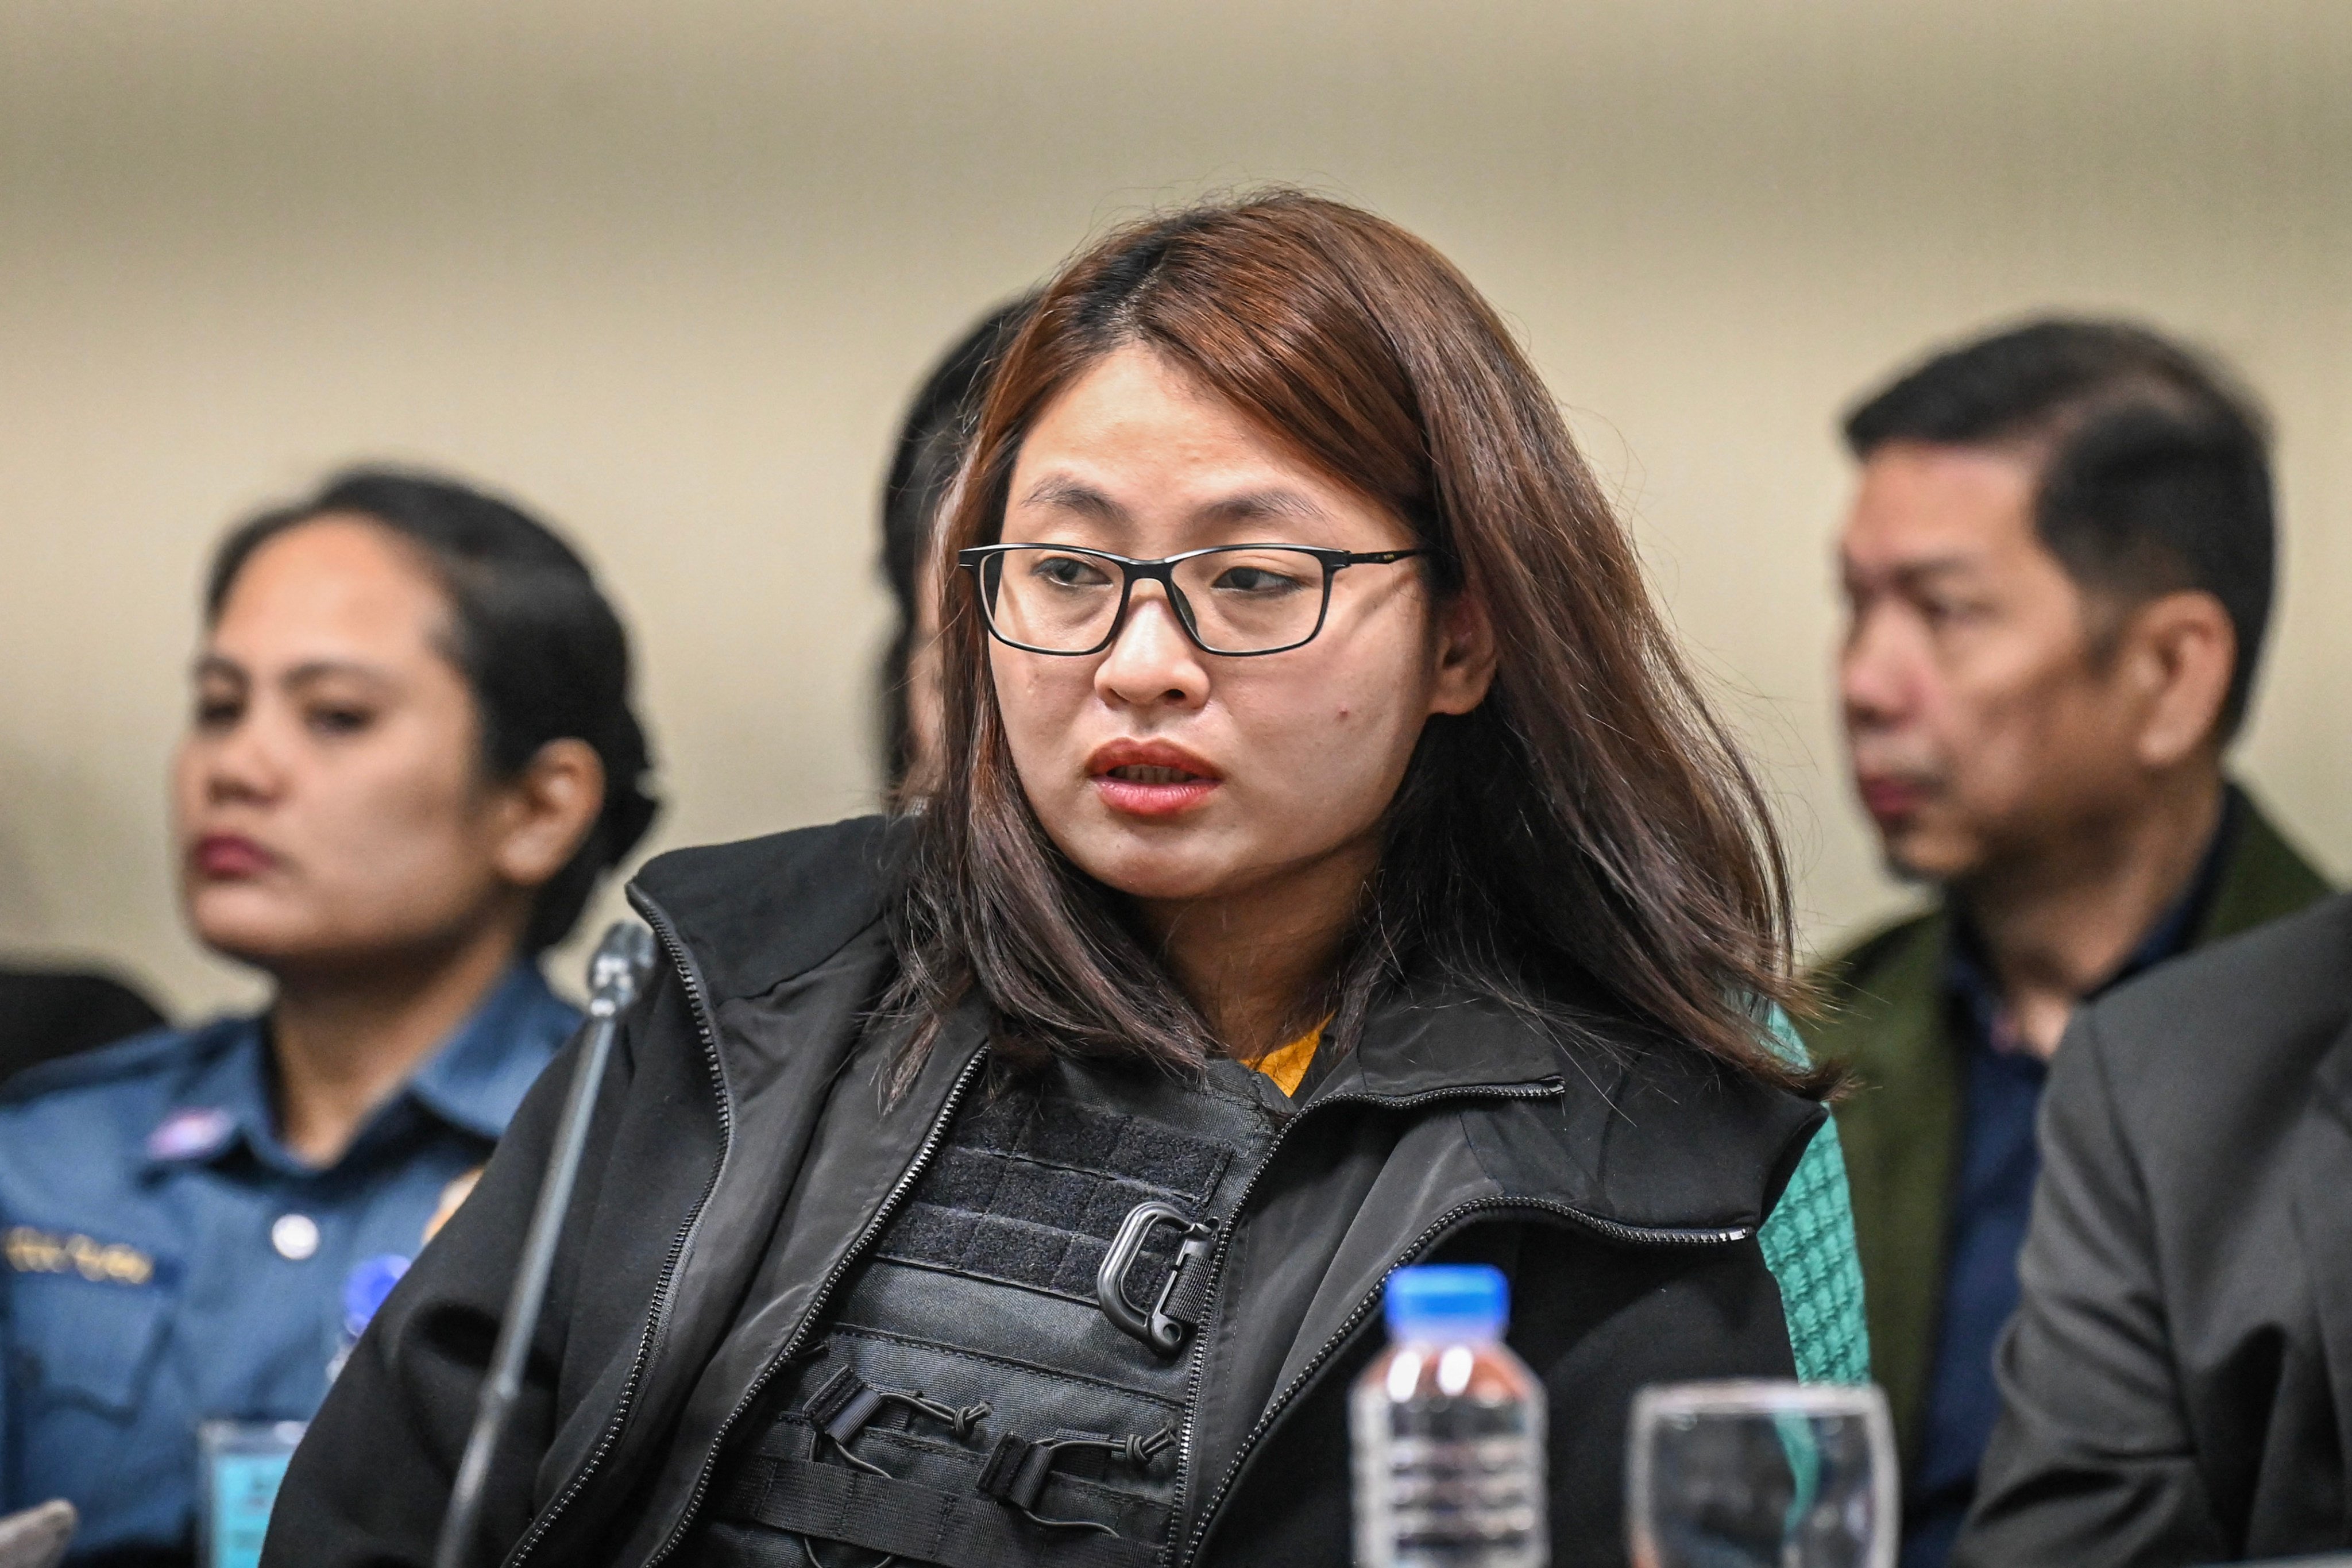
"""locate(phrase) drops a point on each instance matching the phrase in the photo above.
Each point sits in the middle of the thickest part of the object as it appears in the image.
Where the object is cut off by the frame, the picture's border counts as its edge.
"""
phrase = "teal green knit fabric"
(1808, 1244)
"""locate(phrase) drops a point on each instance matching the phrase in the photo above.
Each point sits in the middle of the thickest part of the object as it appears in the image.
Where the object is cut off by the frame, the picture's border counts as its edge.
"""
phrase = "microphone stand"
(623, 961)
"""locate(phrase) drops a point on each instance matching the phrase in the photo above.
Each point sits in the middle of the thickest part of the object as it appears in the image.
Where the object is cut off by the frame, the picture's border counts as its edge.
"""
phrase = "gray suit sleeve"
(2092, 1465)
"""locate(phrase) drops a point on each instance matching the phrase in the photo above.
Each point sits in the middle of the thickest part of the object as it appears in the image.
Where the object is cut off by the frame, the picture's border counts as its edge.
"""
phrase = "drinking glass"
(1760, 1475)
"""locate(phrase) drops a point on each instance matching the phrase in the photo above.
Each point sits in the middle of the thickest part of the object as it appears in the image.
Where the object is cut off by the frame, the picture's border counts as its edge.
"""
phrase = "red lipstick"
(1150, 778)
(229, 857)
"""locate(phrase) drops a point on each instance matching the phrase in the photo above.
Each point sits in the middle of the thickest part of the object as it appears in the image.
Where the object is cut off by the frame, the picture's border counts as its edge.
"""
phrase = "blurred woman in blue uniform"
(410, 757)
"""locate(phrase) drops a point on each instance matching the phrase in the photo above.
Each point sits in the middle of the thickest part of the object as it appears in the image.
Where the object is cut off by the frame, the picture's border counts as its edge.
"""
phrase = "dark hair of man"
(1589, 832)
(541, 648)
(930, 444)
(2155, 464)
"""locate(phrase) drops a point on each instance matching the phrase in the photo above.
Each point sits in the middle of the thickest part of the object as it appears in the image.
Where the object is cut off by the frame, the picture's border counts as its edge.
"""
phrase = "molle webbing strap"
(922, 1524)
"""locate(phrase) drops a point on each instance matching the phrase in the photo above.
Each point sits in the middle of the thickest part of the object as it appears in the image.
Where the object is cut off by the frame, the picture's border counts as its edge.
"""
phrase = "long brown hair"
(1589, 830)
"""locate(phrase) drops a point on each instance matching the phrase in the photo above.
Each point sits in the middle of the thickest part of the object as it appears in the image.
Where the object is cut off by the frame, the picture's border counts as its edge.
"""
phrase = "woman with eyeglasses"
(1333, 866)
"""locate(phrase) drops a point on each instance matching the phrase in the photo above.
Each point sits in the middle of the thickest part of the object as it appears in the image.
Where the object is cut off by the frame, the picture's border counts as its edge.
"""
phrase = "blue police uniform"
(165, 1260)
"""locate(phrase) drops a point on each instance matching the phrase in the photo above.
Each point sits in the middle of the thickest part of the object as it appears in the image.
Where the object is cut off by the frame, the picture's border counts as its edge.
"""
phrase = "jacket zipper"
(817, 1302)
(1616, 1230)
(1199, 1352)
(699, 1005)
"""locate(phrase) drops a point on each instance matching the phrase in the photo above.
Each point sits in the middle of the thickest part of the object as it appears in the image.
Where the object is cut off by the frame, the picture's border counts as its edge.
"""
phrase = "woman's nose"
(1151, 661)
(241, 762)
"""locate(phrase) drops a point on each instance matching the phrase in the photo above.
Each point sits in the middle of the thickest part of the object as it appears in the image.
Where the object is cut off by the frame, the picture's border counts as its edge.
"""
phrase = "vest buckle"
(1175, 1312)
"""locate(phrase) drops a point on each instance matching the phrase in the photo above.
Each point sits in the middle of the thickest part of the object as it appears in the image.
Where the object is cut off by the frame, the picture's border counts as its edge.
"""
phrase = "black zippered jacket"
(2177, 1383)
(1619, 1181)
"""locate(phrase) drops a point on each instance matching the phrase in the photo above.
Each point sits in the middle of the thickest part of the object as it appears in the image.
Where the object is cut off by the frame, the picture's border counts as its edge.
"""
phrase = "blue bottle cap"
(1448, 1301)
(365, 1287)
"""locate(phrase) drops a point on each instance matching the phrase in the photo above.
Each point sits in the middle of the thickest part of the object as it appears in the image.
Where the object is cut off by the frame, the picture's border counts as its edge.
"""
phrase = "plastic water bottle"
(1449, 1431)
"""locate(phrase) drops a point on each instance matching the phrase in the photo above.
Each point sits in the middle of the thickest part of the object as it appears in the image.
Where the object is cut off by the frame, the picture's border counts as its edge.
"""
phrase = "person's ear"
(1466, 656)
(2181, 650)
(546, 811)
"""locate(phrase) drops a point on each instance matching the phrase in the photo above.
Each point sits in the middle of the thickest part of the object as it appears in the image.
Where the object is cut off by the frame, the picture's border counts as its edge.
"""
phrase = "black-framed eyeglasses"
(1234, 600)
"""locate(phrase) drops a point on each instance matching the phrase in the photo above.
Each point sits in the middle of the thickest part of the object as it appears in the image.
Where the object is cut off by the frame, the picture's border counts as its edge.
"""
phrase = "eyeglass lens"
(1249, 599)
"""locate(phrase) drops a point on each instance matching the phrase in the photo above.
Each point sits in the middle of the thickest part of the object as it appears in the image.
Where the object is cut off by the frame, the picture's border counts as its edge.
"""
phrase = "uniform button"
(295, 1236)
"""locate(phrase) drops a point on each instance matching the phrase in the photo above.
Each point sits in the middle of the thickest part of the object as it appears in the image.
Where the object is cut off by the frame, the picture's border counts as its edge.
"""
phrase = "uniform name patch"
(33, 1251)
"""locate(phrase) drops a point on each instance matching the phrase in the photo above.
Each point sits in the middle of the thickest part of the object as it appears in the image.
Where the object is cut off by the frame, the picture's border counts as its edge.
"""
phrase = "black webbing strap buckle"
(842, 1406)
(1018, 1467)
(844, 1403)
(1176, 1311)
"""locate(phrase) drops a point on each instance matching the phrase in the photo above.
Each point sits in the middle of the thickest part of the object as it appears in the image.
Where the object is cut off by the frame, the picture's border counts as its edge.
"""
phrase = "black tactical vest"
(1008, 1379)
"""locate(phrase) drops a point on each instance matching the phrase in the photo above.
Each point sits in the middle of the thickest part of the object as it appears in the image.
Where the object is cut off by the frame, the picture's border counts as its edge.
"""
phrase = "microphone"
(617, 973)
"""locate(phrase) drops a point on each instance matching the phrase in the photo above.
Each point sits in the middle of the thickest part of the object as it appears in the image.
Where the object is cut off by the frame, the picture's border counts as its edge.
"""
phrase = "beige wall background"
(669, 271)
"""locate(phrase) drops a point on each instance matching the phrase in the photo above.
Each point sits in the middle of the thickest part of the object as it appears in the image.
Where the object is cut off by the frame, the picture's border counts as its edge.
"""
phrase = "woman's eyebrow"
(311, 672)
(1253, 505)
(1067, 494)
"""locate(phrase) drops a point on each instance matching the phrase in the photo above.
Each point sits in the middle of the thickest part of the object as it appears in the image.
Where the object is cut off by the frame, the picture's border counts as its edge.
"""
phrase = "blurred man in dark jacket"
(2058, 569)
(2177, 1383)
